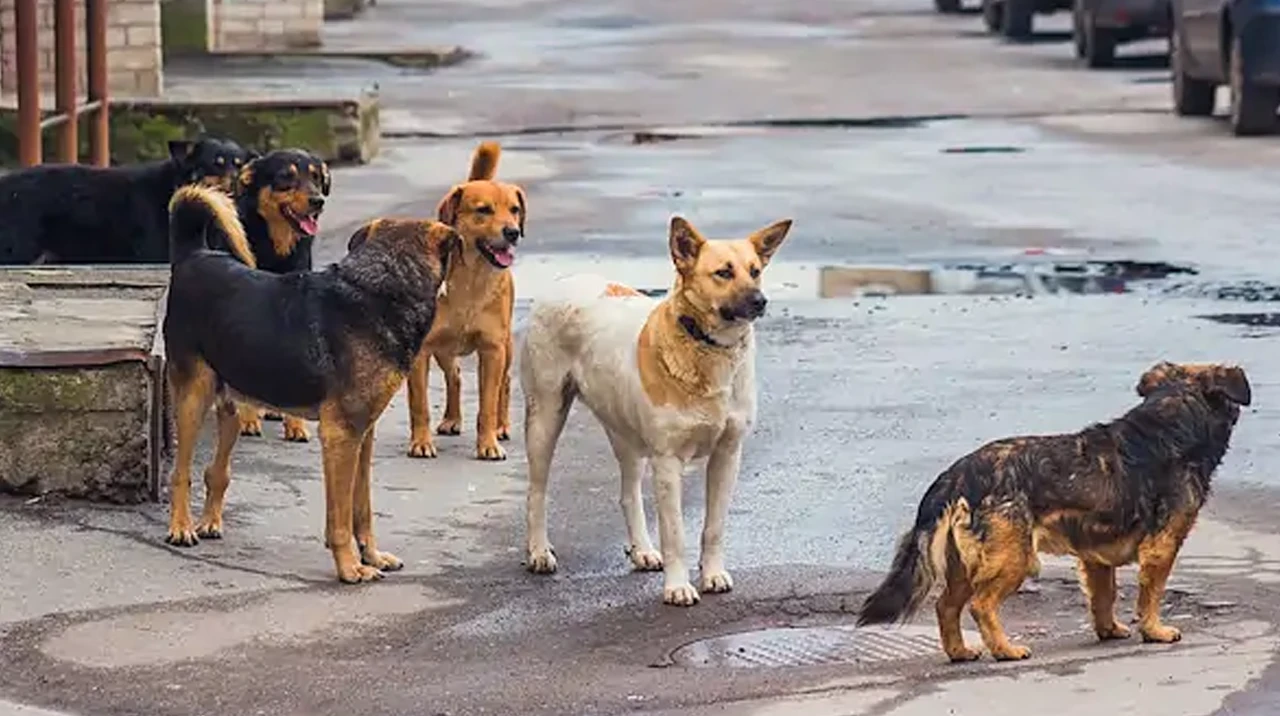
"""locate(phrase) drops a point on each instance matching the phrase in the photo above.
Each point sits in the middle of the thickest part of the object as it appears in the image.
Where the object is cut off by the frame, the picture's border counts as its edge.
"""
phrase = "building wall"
(264, 25)
(134, 65)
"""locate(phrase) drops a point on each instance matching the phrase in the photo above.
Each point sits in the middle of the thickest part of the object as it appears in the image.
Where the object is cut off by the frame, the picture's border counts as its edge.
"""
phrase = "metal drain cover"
(813, 646)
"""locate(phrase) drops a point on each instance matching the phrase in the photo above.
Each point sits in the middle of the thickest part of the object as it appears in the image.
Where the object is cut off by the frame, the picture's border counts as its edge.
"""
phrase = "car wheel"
(1253, 107)
(1018, 16)
(992, 15)
(1191, 97)
(947, 7)
(1099, 43)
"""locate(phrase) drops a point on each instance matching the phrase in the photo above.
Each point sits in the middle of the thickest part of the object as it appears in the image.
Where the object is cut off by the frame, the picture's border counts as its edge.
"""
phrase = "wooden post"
(64, 33)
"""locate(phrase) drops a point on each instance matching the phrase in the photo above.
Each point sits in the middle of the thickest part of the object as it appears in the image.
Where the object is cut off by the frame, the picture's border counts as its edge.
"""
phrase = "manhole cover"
(814, 646)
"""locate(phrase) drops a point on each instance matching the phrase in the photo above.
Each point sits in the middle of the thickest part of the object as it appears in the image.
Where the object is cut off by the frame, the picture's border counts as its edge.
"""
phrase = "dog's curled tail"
(484, 163)
(920, 561)
(204, 217)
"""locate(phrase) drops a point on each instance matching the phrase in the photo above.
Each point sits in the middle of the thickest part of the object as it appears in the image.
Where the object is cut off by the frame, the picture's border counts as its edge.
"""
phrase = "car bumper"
(1260, 47)
(1123, 14)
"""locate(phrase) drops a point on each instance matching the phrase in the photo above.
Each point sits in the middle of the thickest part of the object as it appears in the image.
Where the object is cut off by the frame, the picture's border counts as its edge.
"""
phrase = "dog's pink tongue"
(504, 257)
(309, 224)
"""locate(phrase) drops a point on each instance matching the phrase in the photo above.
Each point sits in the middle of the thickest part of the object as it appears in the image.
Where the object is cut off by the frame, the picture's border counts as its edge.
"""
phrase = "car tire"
(947, 7)
(1099, 43)
(1253, 107)
(1191, 97)
(992, 15)
(1017, 21)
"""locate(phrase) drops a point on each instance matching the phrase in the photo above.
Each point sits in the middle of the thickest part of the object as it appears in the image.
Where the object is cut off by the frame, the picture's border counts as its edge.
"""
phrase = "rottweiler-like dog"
(77, 214)
(1112, 494)
(280, 197)
(332, 345)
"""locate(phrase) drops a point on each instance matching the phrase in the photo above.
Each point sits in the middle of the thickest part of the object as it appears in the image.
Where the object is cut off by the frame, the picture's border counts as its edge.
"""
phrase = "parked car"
(1013, 18)
(1231, 42)
(1099, 26)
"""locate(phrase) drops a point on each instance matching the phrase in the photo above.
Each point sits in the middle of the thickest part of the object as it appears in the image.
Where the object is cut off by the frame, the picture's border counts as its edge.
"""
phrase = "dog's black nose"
(756, 302)
(316, 202)
(511, 234)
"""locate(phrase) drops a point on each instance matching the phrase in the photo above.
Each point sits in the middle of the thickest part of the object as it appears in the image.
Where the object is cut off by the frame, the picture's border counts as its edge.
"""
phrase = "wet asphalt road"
(862, 401)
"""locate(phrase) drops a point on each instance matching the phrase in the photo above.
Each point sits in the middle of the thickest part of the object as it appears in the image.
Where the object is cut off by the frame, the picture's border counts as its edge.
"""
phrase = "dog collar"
(695, 332)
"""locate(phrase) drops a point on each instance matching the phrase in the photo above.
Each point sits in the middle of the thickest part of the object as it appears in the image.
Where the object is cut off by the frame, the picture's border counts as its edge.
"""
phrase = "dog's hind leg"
(451, 424)
(193, 392)
(639, 549)
(1156, 555)
(722, 476)
(1099, 584)
(362, 514)
(504, 396)
(668, 473)
(420, 444)
(955, 595)
(295, 429)
(217, 476)
(997, 564)
(545, 412)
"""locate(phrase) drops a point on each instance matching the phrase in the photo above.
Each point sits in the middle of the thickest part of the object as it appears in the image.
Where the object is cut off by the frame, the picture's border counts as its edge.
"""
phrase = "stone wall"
(133, 48)
(264, 25)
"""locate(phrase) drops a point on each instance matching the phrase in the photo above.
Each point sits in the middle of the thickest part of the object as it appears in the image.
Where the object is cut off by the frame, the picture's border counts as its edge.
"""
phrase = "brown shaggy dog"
(1112, 494)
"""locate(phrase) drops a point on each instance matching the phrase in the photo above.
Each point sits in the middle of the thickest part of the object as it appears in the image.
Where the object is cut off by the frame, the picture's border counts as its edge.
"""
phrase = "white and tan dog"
(670, 381)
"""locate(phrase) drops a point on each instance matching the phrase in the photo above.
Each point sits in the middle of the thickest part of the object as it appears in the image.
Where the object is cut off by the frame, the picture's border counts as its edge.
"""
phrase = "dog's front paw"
(181, 533)
(209, 528)
(1011, 652)
(680, 595)
(422, 447)
(1115, 631)
(1160, 634)
(383, 561)
(542, 560)
(963, 654)
(645, 560)
(717, 582)
(357, 573)
(490, 450)
(250, 426)
(449, 426)
(295, 431)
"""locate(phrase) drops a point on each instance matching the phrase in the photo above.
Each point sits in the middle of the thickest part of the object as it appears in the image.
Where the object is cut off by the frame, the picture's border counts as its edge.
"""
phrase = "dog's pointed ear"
(245, 180)
(447, 210)
(326, 179)
(524, 210)
(1231, 382)
(362, 235)
(767, 240)
(686, 243)
(1154, 377)
(180, 149)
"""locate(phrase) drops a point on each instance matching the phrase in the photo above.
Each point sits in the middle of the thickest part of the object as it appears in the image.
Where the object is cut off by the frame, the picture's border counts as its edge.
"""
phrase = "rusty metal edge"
(71, 358)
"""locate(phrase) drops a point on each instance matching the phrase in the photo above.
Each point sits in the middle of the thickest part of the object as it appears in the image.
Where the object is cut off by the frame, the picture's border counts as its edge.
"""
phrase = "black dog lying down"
(1112, 494)
(333, 345)
(75, 214)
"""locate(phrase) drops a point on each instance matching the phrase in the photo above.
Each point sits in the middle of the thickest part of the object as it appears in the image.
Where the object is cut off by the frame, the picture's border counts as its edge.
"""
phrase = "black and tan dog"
(280, 197)
(1112, 494)
(332, 345)
(77, 214)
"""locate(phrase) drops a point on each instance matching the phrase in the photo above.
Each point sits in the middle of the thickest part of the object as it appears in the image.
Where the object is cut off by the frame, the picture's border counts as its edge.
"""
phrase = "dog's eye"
(755, 272)
(515, 210)
(220, 161)
(484, 210)
(725, 273)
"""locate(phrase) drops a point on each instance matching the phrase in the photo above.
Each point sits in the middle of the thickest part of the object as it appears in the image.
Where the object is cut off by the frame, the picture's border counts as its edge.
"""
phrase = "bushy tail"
(204, 217)
(484, 163)
(920, 561)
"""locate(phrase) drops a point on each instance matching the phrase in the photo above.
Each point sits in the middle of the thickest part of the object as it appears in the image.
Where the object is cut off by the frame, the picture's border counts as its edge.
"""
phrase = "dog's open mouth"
(307, 224)
(502, 257)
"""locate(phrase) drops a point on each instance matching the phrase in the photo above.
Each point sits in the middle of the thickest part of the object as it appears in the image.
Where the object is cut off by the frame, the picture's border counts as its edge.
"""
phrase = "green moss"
(53, 389)
(183, 27)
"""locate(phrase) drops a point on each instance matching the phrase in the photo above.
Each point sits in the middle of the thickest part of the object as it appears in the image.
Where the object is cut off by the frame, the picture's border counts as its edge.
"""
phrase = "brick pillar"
(133, 48)
(264, 25)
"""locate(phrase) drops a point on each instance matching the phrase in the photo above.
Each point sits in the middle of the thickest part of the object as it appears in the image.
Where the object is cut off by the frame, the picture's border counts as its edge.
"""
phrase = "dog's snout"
(511, 234)
(756, 302)
(316, 202)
